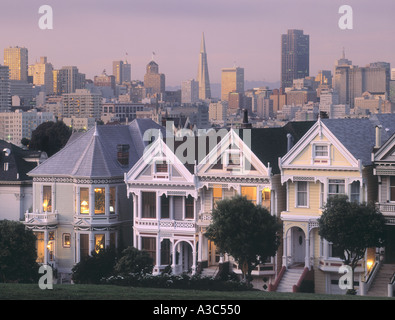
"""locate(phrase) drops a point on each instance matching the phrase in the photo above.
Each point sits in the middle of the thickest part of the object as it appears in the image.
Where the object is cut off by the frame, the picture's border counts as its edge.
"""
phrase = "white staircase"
(379, 287)
(290, 278)
(210, 271)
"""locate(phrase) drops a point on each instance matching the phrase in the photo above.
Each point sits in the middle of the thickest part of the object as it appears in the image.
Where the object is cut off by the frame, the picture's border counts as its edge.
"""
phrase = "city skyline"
(246, 34)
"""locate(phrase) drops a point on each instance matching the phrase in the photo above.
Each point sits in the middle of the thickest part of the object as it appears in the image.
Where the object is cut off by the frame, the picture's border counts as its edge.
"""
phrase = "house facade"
(334, 157)
(79, 195)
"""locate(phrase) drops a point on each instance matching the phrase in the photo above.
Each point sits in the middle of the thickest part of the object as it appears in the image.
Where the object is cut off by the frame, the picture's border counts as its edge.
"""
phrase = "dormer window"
(123, 154)
(232, 160)
(321, 151)
(161, 169)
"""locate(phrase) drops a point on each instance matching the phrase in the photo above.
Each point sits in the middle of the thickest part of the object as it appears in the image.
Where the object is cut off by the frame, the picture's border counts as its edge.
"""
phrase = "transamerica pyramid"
(202, 76)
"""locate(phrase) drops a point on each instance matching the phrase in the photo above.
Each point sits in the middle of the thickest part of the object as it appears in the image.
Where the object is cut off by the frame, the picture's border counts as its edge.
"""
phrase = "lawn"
(111, 292)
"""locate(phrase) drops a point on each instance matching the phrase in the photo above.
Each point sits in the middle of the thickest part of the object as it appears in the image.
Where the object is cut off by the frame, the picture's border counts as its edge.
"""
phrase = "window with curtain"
(149, 244)
(84, 200)
(336, 187)
(189, 207)
(217, 194)
(301, 194)
(149, 204)
(249, 193)
(112, 199)
(355, 191)
(47, 198)
(100, 200)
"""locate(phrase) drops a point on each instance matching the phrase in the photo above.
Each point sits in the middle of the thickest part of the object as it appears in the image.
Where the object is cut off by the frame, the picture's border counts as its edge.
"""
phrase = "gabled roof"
(17, 167)
(93, 154)
(358, 136)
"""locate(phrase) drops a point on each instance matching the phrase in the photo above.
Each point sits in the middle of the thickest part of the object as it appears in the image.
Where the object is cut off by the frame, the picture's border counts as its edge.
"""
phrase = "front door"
(299, 245)
(213, 254)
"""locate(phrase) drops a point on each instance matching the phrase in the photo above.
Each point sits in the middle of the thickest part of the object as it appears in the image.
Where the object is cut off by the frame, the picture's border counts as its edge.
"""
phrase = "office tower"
(105, 80)
(294, 57)
(82, 104)
(16, 59)
(235, 103)
(57, 82)
(324, 77)
(393, 74)
(189, 91)
(5, 89)
(232, 80)
(341, 79)
(203, 76)
(126, 72)
(154, 82)
(71, 79)
(218, 111)
(42, 73)
(122, 71)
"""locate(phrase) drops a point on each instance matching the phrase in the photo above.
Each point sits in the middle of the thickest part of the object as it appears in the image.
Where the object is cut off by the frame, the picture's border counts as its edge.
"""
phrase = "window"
(149, 204)
(336, 187)
(47, 199)
(161, 167)
(189, 207)
(165, 257)
(354, 191)
(301, 194)
(266, 195)
(249, 193)
(66, 240)
(40, 246)
(149, 244)
(392, 188)
(84, 246)
(112, 199)
(217, 194)
(84, 200)
(164, 209)
(100, 201)
(99, 242)
(321, 151)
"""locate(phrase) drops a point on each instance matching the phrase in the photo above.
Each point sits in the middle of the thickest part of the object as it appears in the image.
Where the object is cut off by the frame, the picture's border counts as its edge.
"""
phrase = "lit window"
(249, 193)
(66, 240)
(112, 199)
(217, 194)
(100, 200)
(266, 194)
(301, 194)
(84, 201)
(99, 242)
(47, 199)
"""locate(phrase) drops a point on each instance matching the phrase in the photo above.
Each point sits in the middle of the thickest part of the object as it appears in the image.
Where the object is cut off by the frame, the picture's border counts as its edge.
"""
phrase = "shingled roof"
(93, 154)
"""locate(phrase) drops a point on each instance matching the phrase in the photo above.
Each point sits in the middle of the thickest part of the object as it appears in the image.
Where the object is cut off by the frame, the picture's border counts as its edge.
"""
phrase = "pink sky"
(92, 33)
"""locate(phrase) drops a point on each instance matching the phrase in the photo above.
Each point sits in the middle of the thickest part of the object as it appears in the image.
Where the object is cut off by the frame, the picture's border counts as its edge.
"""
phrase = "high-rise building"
(154, 82)
(295, 57)
(105, 80)
(189, 91)
(71, 79)
(42, 73)
(122, 71)
(203, 76)
(5, 89)
(126, 72)
(82, 104)
(16, 59)
(232, 80)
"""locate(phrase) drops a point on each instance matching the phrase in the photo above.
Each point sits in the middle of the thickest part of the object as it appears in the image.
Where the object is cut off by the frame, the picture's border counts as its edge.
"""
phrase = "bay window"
(249, 193)
(301, 194)
(47, 198)
(84, 200)
(336, 187)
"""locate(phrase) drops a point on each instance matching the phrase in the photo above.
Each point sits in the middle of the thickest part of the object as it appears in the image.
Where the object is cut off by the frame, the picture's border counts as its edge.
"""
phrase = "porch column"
(307, 255)
(200, 246)
(285, 248)
(158, 247)
(158, 207)
(173, 253)
(193, 258)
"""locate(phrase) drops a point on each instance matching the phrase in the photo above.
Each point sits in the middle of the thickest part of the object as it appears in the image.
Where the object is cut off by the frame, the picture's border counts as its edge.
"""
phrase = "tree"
(351, 228)
(247, 232)
(134, 261)
(17, 253)
(50, 137)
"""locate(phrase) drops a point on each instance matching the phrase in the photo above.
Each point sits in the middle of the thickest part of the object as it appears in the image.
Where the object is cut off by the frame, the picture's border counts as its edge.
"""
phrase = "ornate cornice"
(78, 180)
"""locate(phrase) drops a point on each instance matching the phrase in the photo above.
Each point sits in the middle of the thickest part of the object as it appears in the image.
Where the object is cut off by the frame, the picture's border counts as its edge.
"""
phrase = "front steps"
(379, 287)
(290, 278)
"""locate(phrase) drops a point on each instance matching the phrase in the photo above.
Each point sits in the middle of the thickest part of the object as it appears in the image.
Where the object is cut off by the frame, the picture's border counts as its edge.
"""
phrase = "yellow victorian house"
(333, 157)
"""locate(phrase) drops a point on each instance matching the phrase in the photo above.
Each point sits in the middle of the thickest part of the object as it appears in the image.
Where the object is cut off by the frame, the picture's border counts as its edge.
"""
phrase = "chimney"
(378, 136)
(245, 123)
(290, 141)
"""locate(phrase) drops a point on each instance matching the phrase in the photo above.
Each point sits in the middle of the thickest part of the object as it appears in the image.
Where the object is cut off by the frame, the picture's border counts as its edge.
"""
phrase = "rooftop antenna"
(153, 56)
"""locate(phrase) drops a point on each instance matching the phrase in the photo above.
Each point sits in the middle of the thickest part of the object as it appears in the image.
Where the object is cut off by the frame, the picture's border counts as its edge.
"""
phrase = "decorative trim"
(78, 180)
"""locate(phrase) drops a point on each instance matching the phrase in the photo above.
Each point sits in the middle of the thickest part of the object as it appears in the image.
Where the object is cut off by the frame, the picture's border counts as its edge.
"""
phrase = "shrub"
(93, 268)
(134, 261)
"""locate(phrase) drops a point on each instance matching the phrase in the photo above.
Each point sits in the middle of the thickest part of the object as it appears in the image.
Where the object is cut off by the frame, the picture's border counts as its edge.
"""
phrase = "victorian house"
(79, 194)
(334, 157)
(176, 185)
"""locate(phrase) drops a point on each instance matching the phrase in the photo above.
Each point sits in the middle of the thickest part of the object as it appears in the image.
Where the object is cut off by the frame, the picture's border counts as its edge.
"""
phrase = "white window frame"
(334, 194)
(316, 159)
(297, 205)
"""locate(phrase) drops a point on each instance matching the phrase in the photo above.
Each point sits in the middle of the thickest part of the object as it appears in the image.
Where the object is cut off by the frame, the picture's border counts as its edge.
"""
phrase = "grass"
(11, 291)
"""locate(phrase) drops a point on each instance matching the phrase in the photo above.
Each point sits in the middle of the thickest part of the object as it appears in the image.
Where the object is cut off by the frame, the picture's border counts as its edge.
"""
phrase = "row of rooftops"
(96, 153)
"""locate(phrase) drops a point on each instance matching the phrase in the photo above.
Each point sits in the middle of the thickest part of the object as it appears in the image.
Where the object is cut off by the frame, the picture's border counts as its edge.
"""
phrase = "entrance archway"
(183, 262)
(298, 247)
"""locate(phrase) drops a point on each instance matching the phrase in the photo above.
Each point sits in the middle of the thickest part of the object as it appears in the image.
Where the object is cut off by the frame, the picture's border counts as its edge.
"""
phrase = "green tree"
(17, 253)
(50, 137)
(134, 261)
(351, 228)
(247, 232)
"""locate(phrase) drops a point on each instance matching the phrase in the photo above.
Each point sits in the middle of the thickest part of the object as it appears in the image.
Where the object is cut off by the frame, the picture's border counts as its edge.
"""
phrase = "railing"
(41, 217)
(273, 286)
(165, 224)
(365, 285)
(391, 286)
(386, 208)
(96, 218)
